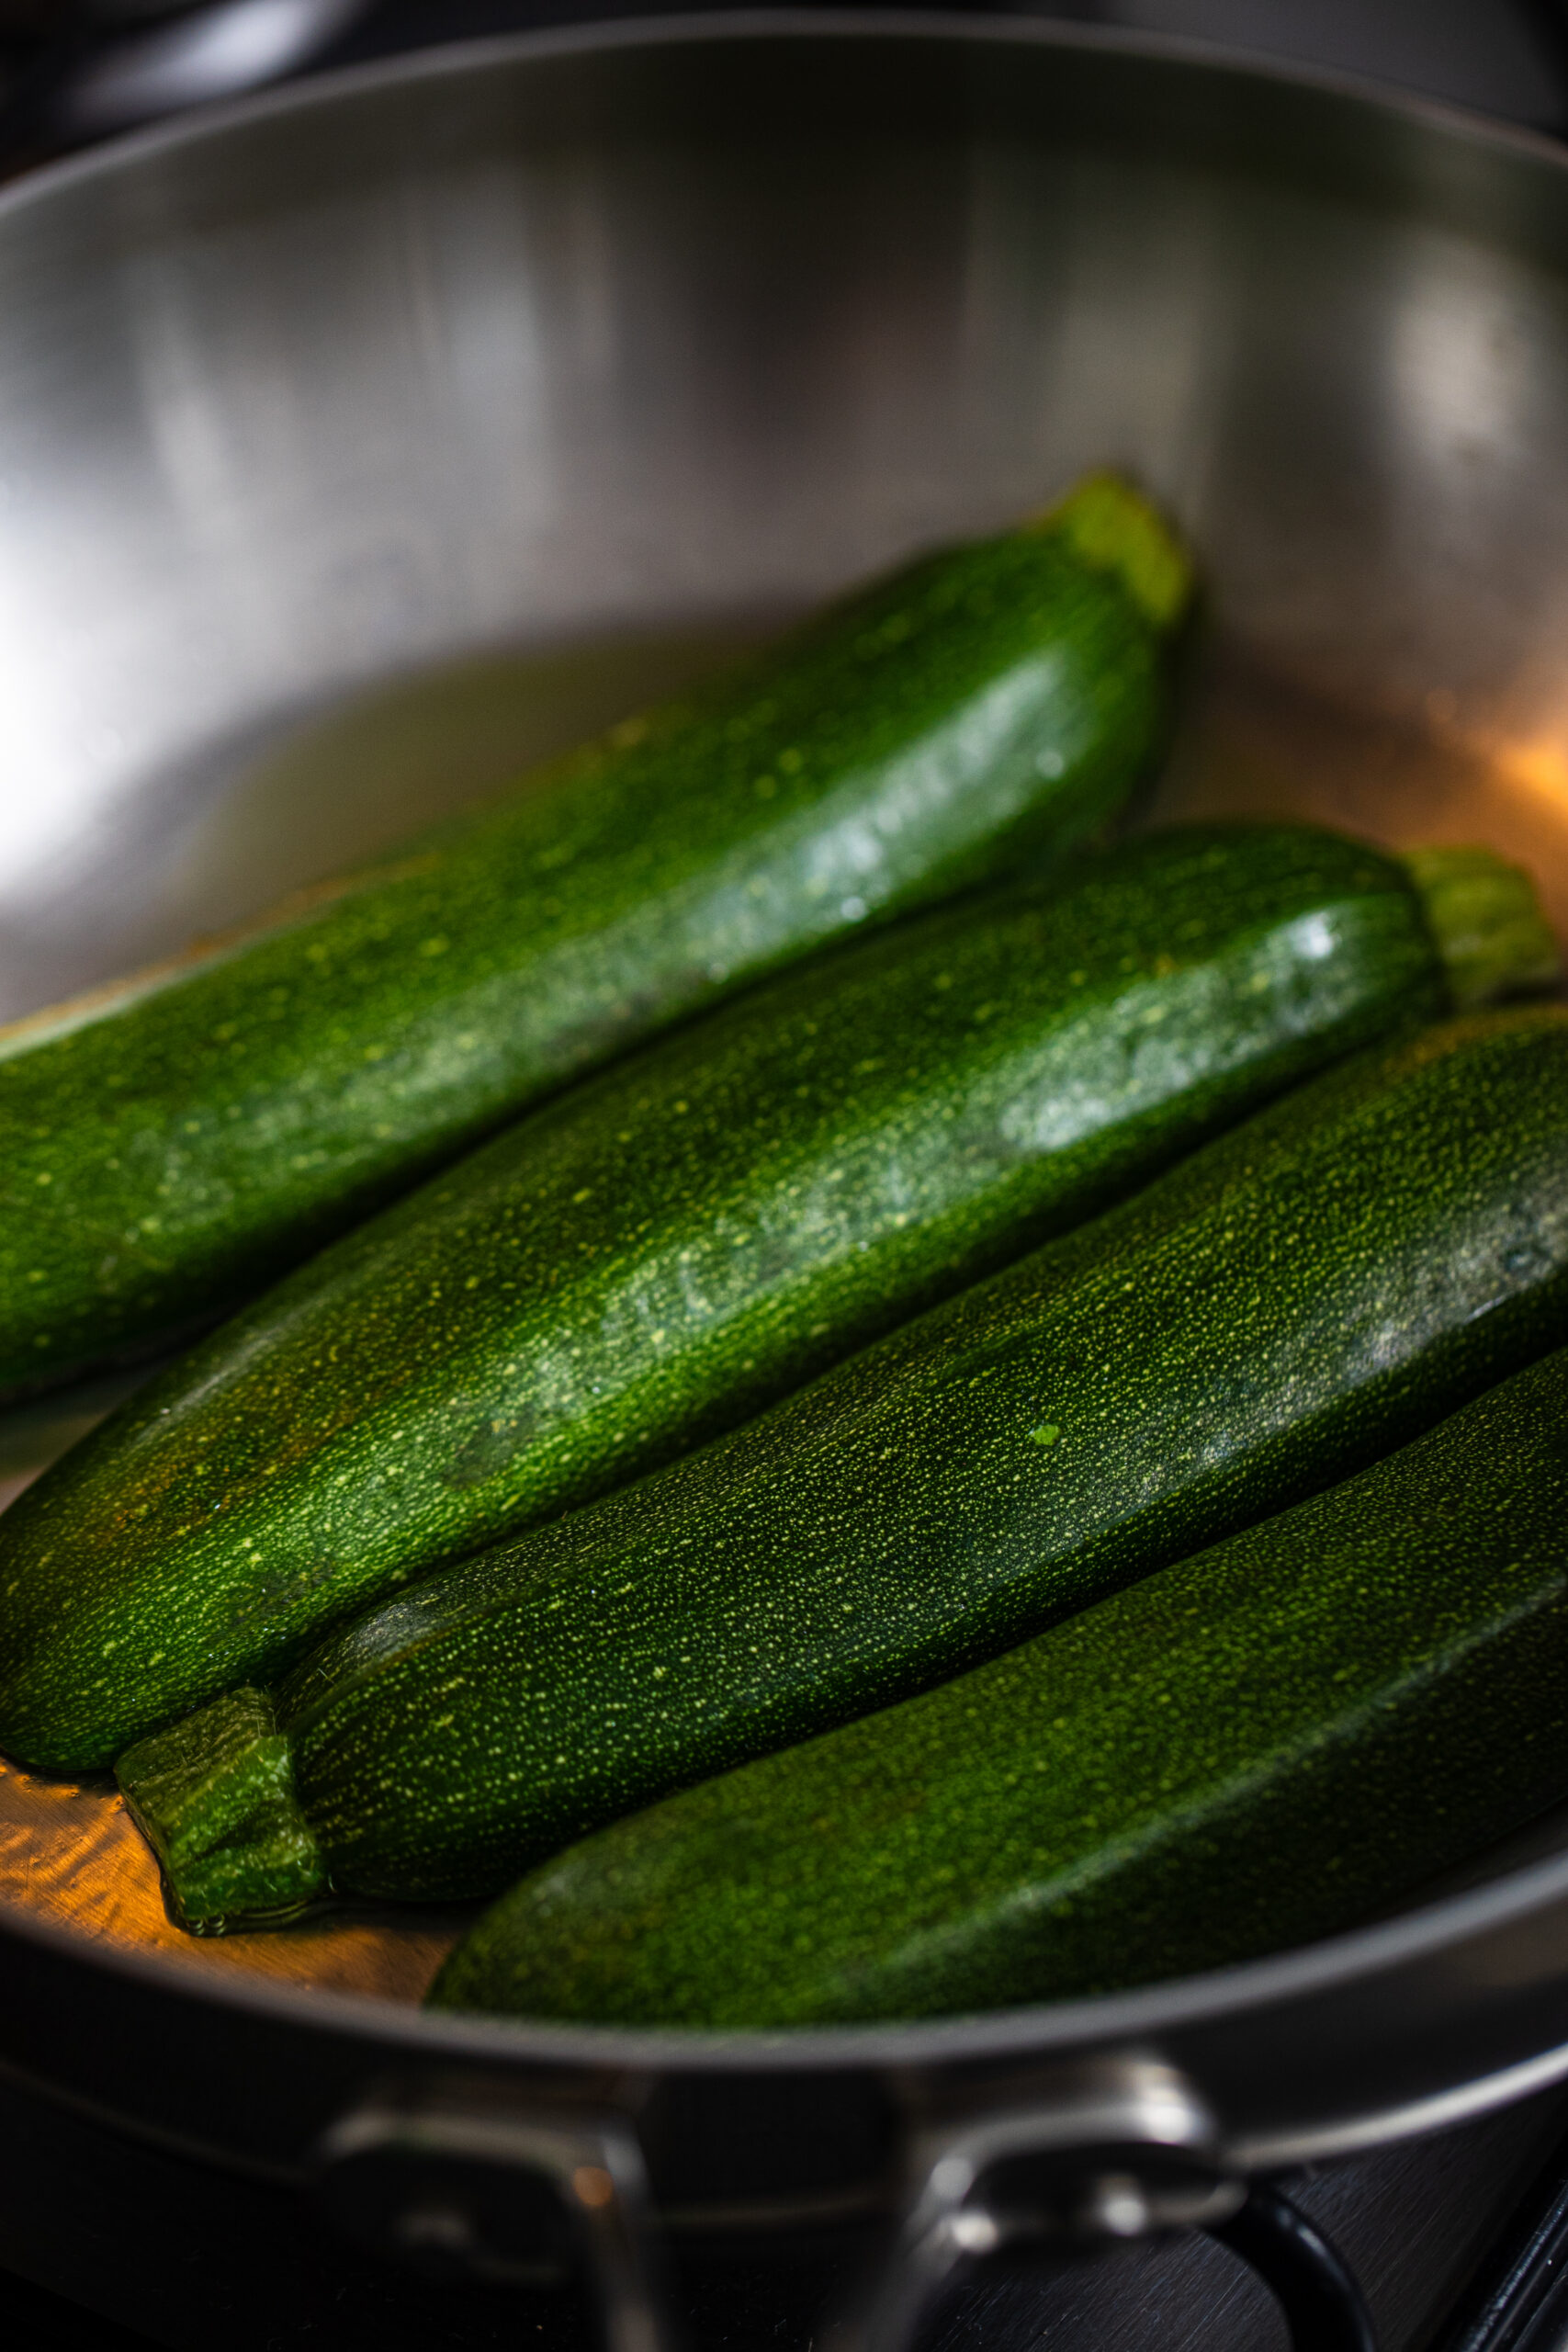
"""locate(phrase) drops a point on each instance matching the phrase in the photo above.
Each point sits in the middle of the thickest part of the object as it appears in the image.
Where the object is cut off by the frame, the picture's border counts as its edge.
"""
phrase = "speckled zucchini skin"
(1292, 1302)
(168, 1144)
(1245, 1752)
(670, 1248)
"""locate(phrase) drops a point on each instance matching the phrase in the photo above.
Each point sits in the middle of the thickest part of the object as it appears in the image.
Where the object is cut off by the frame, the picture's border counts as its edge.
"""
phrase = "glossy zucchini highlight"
(1245, 1752)
(1292, 1302)
(667, 1249)
(168, 1144)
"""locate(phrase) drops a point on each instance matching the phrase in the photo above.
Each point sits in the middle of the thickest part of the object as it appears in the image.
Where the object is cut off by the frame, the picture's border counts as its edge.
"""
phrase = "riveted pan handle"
(1323, 2307)
(472, 2188)
(1126, 2150)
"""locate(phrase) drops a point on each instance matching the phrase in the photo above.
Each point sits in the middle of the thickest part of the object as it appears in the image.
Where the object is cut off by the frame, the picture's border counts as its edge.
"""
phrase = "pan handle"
(472, 2188)
(1115, 2148)
(469, 2186)
(1131, 2155)
(1325, 2309)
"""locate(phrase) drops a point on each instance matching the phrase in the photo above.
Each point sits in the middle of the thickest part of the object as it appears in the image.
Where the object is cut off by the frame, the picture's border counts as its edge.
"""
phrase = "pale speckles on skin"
(493, 1358)
(1205, 1393)
(1245, 1752)
(497, 987)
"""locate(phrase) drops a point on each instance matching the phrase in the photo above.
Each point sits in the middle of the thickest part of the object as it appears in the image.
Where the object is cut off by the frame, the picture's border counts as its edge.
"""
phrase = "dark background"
(1504, 57)
(1508, 57)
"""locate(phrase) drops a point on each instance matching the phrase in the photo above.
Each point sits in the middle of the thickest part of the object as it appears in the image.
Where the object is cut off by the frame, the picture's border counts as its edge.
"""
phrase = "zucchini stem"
(1488, 922)
(1112, 528)
(214, 1797)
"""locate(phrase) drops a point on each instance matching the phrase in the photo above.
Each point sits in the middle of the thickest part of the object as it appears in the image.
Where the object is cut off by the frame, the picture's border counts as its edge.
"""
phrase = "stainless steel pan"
(356, 446)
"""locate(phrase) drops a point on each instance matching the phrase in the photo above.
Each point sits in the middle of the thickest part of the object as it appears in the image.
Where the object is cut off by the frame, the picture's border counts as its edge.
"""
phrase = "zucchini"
(170, 1142)
(1293, 1301)
(1249, 1750)
(668, 1249)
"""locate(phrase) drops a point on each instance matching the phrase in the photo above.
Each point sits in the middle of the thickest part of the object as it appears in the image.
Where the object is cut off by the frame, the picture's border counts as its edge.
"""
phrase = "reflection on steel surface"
(216, 53)
(70, 1856)
(1255, 744)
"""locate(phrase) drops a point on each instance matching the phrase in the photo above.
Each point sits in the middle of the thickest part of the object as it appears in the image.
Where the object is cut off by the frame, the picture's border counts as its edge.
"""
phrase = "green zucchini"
(1246, 1751)
(169, 1143)
(1293, 1301)
(668, 1249)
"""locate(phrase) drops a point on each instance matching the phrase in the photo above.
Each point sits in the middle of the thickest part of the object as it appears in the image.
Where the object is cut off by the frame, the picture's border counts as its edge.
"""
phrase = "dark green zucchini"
(665, 1250)
(169, 1143)
(1242, 1753)
(1295, 1300)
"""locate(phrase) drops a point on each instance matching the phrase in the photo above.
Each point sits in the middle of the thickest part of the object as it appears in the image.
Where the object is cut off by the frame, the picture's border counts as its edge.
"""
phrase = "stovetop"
(1459, 2240)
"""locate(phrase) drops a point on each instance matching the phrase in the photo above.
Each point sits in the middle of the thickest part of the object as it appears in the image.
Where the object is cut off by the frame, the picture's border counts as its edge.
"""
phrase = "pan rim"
(679, 28)
(1426, 1932)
